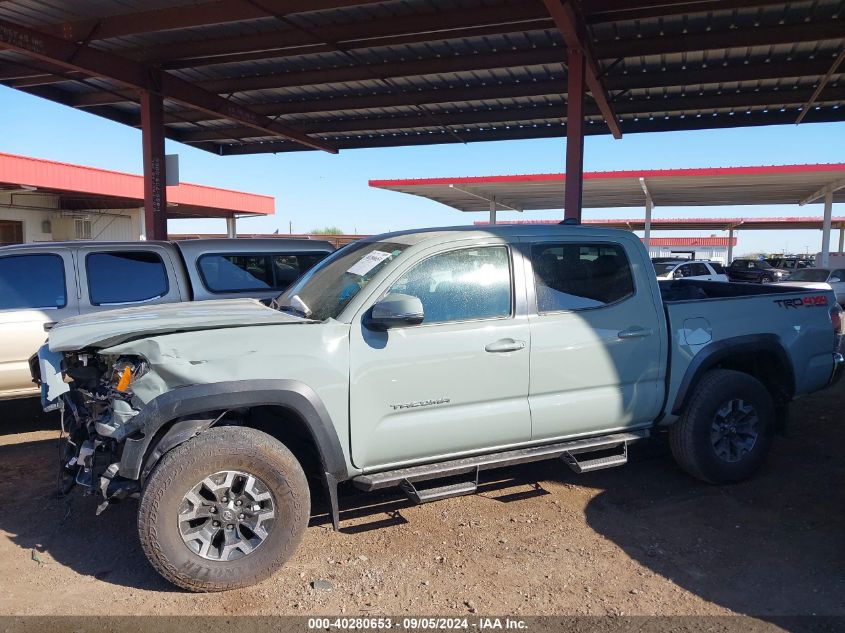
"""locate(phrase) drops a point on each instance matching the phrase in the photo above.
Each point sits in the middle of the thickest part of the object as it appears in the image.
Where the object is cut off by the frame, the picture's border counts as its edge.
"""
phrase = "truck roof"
(502, 230)
(193, 247)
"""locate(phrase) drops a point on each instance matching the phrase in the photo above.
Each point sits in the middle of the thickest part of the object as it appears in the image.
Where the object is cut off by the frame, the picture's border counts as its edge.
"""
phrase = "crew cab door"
(456, 383)
(36, 288)
(597, 345)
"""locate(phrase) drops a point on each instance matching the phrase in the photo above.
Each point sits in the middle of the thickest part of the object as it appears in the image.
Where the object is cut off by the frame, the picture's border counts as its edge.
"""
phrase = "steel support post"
(574, 135)
(231, 226)
(828, 215)
(730, 246)
(493, 211)
(155, 191)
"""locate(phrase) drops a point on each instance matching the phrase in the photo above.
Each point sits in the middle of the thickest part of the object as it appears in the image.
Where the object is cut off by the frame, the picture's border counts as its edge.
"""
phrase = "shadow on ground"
(769, 547)
(774, 545)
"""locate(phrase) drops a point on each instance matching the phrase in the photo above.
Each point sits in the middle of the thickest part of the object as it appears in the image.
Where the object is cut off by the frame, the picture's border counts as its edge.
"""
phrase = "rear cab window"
(244, 272)
(125, 277)
(578, 276)
(33, 281)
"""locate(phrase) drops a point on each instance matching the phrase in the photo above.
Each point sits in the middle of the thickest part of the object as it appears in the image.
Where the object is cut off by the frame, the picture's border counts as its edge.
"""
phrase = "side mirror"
(834, 280)
(395, 310)
(678, 274)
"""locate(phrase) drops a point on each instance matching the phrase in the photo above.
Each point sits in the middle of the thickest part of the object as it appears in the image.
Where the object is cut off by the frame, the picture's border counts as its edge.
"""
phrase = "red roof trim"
(65, 177)
(691, 241)
(607, 175)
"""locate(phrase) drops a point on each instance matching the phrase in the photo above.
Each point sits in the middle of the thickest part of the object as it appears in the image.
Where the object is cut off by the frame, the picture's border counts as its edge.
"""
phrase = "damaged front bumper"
(97, 415)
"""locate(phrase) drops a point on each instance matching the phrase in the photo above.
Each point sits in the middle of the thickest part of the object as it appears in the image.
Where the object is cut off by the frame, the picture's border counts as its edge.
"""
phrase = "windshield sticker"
(368, 262)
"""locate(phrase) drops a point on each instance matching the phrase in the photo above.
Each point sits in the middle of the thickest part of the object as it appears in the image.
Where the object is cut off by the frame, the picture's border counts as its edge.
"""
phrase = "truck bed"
(793, 322)
(674, 291)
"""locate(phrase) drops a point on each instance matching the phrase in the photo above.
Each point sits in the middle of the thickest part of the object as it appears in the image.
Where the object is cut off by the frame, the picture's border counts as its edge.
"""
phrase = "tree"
(327, 230)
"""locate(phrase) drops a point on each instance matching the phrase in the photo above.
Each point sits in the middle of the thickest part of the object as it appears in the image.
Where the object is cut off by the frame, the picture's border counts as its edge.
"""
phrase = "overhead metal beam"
(822, 84)
(483, 97)
(98, 63)
(187, 16)
(821, 193)
(501, 133)
(574, 32)
(524, 16)
(434, 26)
(436, 65)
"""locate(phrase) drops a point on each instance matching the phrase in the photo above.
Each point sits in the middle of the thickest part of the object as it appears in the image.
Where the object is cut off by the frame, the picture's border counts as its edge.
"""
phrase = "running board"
(391, 478)
(437, 493)
(589, 465)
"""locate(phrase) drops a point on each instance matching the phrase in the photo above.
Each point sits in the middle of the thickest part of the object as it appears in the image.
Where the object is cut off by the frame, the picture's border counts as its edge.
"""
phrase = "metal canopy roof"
(722, 186)
(700, 224)
(249, 76)
(80, 187)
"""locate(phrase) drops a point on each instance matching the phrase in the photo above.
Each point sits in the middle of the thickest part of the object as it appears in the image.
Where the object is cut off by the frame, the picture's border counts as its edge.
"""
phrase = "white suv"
(690, 269)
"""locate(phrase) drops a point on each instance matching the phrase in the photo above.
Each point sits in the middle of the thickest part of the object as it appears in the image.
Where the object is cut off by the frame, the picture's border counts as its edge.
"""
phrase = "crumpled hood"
(104, 329)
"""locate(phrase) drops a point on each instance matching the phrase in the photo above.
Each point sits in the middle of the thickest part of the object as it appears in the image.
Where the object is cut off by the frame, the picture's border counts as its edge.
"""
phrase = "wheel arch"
(762, 356)
(175, 416)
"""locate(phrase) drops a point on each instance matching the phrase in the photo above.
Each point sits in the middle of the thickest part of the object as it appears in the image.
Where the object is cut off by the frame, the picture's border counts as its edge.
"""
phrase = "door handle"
(505, 345)
(635, 332)
(49, 326)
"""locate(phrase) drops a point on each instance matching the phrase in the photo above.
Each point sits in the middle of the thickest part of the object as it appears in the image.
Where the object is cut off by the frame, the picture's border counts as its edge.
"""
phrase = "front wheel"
(765, 279)
(223, 510)
(726, 430)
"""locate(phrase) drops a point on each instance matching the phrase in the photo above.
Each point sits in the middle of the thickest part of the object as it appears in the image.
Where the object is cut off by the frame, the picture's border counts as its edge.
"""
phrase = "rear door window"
(32, 281)
(243, 272)
(699, 270)
(116, 278)
(578, 276)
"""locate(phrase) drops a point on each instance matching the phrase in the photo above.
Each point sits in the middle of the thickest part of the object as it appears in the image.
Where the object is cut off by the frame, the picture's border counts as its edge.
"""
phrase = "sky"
(317, 189)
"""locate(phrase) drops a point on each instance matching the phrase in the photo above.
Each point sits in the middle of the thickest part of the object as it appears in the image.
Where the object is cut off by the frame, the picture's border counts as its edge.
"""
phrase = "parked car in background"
(689, 269)
(41, 284)
(754, 270)
(790, 264)
(416, 360)
(820, 279)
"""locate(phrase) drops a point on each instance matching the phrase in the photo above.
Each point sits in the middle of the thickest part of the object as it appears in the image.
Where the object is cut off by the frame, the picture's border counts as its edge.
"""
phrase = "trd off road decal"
(819, 301)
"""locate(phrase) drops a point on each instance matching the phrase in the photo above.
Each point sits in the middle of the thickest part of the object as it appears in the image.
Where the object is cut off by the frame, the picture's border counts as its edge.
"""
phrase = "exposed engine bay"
(97, 408)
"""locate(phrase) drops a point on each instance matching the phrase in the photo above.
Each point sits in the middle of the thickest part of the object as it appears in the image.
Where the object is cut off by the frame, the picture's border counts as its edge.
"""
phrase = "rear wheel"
(765, 279)
(223, 510)
(726, 430)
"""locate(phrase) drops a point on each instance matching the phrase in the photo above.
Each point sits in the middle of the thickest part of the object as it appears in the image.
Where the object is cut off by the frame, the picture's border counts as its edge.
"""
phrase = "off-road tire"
(690, 436)
(220, 449)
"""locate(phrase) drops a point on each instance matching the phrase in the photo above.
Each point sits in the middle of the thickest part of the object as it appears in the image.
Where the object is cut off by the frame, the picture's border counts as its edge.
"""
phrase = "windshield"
(810, 274)
(325, 290)
(664, 269)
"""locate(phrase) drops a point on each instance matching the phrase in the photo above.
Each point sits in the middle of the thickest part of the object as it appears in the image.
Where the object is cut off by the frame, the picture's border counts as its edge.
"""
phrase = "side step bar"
(391, 478)
(597, 463)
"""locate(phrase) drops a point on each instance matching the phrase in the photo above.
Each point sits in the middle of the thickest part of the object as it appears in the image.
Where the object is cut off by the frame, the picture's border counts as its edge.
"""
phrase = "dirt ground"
(538, 539)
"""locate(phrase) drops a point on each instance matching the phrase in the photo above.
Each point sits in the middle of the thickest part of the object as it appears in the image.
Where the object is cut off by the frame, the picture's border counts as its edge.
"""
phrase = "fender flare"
(713, 353)
(194, 399)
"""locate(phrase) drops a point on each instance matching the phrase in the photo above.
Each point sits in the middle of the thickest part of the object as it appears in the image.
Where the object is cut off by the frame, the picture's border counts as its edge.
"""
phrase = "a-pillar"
(574, 135)
(155, 191)
(231, 226)
(828, 216)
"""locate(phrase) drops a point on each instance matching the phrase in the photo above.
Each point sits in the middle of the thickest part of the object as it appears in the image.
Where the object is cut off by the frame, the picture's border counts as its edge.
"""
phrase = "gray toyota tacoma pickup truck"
(417, 360)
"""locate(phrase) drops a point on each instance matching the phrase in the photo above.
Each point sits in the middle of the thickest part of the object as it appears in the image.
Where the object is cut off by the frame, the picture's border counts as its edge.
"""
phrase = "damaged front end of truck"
(93, 393)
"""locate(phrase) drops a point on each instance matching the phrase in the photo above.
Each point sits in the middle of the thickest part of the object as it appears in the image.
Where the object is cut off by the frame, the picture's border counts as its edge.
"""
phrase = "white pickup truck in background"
(41, 284)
